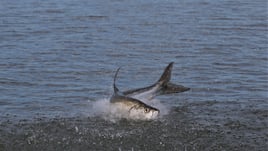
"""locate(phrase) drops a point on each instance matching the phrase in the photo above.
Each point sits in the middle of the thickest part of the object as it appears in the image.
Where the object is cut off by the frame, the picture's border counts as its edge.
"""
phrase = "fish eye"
(146, 110)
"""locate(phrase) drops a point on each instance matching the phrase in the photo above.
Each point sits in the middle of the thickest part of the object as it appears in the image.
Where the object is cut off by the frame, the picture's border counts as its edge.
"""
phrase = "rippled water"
(58, 58)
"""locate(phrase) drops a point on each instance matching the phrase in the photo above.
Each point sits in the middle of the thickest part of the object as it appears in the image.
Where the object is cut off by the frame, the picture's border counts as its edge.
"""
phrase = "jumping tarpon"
(131, 107)
(161, 87)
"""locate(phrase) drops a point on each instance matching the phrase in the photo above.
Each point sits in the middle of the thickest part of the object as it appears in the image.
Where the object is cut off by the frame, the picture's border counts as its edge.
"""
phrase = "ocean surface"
(58, 59)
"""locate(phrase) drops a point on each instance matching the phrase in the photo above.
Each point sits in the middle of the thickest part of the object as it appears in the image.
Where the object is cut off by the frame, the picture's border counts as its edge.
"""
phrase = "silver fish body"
(128, 102)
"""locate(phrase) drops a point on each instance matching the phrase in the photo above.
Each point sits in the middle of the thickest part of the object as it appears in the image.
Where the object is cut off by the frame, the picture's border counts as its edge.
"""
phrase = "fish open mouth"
(155, 114)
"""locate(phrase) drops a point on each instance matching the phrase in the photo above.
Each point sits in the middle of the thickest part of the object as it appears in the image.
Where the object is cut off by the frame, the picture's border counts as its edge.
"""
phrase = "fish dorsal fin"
(165, 77)
(116, 90)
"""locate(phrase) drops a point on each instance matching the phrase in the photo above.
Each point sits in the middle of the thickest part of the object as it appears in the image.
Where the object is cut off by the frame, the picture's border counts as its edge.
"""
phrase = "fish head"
(132, 108)
(151, 113)
(144, 112)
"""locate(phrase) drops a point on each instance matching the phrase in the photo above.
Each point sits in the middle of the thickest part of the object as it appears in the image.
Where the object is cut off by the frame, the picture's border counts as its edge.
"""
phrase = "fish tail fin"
(165, 86)
(166, 75)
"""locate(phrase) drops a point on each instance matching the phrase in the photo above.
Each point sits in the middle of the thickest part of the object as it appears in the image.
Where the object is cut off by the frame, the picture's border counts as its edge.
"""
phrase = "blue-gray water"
(59, 57)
